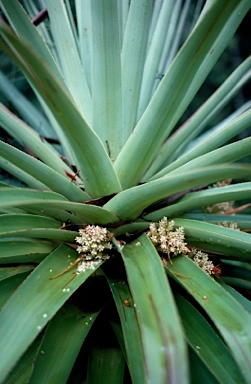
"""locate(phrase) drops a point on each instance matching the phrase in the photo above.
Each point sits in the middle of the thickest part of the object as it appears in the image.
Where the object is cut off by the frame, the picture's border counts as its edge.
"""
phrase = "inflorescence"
(167, 240)
(172, 242)
(94, 243)
(201, 259)
(224, 206)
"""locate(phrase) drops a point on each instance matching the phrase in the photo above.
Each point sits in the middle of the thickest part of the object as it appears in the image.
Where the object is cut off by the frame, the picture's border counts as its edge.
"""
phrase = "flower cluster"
(172, 242)
(94, 241)
(167, 240)
(85, 265)
(220, 207)
(232, 225)
(201, 259)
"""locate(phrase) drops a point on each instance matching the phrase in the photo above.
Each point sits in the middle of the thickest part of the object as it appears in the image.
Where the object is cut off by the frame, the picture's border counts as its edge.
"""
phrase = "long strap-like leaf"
(162, 338)
(91, 158)
(178, 87)
(232, 321)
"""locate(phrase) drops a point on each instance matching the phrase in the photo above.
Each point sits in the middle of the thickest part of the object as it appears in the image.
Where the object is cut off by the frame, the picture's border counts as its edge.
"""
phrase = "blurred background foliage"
(237, 50)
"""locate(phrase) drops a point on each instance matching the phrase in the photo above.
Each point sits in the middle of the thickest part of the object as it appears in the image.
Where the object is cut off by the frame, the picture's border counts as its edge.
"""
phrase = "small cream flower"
(232, 225)
(201, 259)
(94, 240)
(220, 207)
(94, 243)
(167, 240)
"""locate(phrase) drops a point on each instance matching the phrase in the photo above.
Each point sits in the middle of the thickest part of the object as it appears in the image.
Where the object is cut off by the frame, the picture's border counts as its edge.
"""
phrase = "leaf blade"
(223, 310)
(160, 327)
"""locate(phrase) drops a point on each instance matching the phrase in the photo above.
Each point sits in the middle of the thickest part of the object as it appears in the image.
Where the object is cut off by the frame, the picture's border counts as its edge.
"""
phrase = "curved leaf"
(215, 355)
(203, 155)
(42, 233)
(243, 221)
(164, 352)
(16, 250)
(105, 365)
(178, 87)
(225, 241)
(23, 26)
(195, 124)
(44, 201)
(130, 203)
(25, 135)
(106, 81)
(10, 284)
(43, 173)
(231, 319)
(68, 56)
(61, 344)
(130, 327)
(10, 222)
(93, 162)
(204, 199)
(133, 59)
(35, 303)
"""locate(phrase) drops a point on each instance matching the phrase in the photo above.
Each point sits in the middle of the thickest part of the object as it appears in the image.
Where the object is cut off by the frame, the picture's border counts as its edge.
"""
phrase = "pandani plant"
(125, 252)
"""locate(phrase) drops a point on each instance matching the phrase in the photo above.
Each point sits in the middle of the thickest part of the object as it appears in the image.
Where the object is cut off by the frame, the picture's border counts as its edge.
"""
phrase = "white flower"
(220, 207)
(167, 240)
(201, 259)
(231, 225)
(94, 242)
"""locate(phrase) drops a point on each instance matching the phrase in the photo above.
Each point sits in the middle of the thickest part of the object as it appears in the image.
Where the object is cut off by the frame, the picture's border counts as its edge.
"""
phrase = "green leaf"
(133, 59)
(24, 28)
(178, 87)
(43, 173)
(10, 284)
(26, 109)
(32, 141)
(42, 233)
(93, 161)
(24, 250)
(131, 334)
(205, 153)
(225, 241)
(201, 118)
(240, 298)
(46, 203)
(105, 365)
(61, 344)
(83, 12)
(68, 57)
(243, 221)
(130, 203)
(106, 76)
(164, 352)
(232, 321)
(204, 199)
(19, 196)
(158, 42)
(35, 303)
(215, 354)
(237, 282)
(198, 370)
(23, 369)
(7, 272)
(10, 222)
(23, 178)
